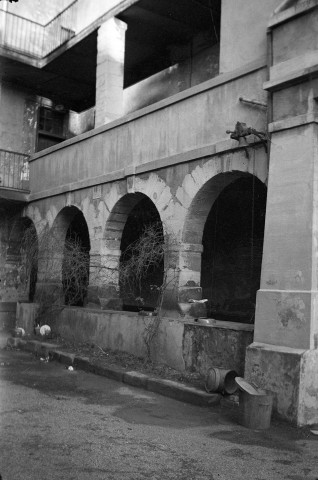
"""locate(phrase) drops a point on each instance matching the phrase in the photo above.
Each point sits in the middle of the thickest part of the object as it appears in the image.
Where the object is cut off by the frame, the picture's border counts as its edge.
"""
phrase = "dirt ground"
(106, 357)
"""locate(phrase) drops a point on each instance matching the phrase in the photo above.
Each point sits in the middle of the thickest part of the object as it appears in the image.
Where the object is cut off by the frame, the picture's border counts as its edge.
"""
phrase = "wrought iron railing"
(14, 170)
(33, 38)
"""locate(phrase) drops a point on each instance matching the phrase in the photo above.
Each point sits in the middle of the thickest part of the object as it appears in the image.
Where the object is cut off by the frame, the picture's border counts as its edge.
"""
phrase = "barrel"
(221, 380)
(255, 411)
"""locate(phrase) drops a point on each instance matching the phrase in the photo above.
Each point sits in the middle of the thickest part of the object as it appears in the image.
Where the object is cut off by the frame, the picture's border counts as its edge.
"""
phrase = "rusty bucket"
(221, 380)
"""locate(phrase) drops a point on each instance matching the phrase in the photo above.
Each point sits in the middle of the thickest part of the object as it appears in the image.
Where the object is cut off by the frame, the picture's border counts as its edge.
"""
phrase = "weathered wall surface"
(243, 35)
(25, 314)
(175, 79)
(283, 358)
(288, 281)
(7, 316)
(183, 195)
(18, 120)
(221, 346)
(171, 189)
(291, 375)
(81, 122)
(177, 344)
(295, 100)
(12, 275)
(37, 11)
(88, 12)
(12, 111)
(200, 119)
(276, 369)
(285, 46)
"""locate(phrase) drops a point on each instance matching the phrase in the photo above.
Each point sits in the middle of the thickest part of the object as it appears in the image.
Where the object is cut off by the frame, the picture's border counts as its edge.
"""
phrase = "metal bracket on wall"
(242, 131)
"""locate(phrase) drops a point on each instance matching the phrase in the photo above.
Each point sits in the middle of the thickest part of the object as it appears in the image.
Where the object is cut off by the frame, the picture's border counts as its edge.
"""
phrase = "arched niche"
(64, 257)
(226, 219)
(130, 218)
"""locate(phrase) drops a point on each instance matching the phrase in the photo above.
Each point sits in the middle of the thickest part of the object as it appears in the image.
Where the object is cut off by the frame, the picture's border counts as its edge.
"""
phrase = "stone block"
(111, 303)
(291, 375)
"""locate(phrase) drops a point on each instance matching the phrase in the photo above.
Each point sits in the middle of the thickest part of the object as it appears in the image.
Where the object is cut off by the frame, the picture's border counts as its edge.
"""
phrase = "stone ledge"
(292, 122)
(217, 149)
(225, 325)
(215, 82)
(291, 78)
(290, 13)
(293, 65)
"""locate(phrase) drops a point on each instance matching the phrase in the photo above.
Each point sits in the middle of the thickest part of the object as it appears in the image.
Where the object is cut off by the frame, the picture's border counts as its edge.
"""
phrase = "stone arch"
(125, 223)
(55, 277)
(118, 217)
(199, 211)
(202, 204)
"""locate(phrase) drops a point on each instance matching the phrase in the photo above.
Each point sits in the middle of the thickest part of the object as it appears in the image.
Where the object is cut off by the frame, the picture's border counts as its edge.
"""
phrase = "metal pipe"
(253, 102)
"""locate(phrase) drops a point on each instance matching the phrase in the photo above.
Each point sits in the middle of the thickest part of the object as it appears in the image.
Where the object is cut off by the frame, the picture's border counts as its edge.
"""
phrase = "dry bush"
(46, 256)
(152, 250)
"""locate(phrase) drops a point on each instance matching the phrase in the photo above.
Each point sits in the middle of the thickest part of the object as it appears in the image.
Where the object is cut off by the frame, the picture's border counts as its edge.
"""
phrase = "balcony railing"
(14, 170)
(33, 38)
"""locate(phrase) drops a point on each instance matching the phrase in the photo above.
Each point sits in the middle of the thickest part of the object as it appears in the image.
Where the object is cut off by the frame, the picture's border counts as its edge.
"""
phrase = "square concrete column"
(190, 277)
(110, 71)
(190, 272)
(284, 355)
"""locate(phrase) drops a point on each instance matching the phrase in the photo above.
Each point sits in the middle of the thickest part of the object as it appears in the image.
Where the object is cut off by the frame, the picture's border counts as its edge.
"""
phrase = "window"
(51, 128)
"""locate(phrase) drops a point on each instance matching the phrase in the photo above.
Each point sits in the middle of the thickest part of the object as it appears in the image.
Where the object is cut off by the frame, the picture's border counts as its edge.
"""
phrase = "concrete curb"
(168, 388)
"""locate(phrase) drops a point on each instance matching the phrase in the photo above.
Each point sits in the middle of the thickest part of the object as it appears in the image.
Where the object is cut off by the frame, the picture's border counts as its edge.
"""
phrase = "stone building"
(115, 115)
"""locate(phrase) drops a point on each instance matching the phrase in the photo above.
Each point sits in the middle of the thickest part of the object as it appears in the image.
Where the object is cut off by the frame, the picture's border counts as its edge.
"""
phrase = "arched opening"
(141, 221)
(75, 263)
(232, 250)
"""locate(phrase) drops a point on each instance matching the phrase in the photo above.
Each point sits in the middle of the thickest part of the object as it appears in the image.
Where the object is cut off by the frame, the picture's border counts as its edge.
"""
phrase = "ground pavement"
(70, 424)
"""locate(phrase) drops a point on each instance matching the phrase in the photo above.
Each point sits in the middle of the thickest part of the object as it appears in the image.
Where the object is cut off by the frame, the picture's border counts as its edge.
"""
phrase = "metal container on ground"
(221, 380)
(255, 409)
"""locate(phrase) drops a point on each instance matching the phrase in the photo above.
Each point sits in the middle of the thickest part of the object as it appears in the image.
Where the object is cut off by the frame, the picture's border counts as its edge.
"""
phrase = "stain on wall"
(291, 312)
(209, 346)
(30, 125)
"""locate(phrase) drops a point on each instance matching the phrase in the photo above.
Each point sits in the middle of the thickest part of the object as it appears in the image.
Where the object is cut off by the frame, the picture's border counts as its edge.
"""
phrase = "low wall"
(26, 314)
(7, 316)
(221, 345)
(183, 346)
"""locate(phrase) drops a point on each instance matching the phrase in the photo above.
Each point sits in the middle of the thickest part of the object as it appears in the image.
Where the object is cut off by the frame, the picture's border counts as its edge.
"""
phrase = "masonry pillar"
(110, 71)
(103, 289)
(190, 277)
(284, 355)
(49, 286)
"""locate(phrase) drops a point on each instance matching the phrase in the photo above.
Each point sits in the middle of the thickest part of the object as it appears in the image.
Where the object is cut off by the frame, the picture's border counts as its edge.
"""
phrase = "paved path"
(57, 424)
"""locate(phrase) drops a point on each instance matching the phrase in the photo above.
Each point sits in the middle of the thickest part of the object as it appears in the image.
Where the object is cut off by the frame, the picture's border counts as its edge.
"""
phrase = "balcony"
(35, 39)
(189, 124)
(14, 176)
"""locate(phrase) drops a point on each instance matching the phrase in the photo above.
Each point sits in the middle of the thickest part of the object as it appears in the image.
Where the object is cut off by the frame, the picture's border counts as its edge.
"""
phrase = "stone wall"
(183, 346)
(222, 345)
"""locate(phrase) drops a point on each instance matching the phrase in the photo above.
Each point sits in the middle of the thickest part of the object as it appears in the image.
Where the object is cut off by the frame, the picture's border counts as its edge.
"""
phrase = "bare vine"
(148, 265)
(153, 250)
